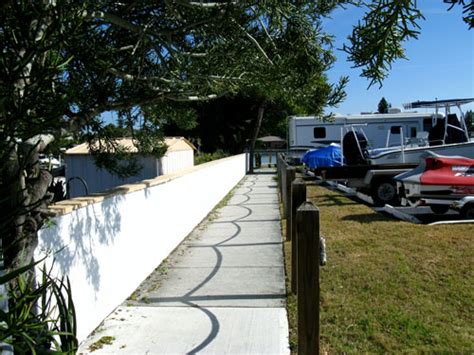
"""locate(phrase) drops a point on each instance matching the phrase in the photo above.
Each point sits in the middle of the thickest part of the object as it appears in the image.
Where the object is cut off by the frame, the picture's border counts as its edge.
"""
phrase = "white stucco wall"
(113, 245)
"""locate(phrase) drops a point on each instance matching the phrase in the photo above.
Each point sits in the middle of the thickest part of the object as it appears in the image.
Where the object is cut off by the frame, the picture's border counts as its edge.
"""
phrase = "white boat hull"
(414, 155)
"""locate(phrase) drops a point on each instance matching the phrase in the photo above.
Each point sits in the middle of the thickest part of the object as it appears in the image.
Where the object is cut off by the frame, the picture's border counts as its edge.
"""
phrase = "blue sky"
(440, 65)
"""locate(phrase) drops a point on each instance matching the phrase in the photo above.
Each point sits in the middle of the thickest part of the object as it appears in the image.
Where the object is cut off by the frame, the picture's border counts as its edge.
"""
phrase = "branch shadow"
(87, 227)
(370, 218)
(192, 298)
(333, 200)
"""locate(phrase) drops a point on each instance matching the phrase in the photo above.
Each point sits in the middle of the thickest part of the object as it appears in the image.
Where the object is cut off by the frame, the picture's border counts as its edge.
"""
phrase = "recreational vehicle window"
(395, 129)
(319, 132)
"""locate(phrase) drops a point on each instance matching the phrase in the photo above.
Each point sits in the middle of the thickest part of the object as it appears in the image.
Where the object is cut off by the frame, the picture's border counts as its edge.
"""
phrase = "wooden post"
(282, 186)
(307, 219)
(290, 176)
(298, 196)
(279, 171)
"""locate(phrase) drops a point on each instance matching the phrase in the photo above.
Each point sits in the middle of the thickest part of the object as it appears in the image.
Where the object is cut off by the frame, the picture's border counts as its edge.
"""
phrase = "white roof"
(371, 116)
(174, 144)
(401, 115)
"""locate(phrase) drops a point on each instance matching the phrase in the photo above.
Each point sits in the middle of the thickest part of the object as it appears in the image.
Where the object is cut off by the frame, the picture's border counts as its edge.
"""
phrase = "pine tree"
(383, 106)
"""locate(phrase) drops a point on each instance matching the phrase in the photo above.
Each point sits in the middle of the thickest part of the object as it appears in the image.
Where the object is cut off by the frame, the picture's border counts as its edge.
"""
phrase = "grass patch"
(391, 286)
(225, 201)
(222, 203)
(99, 344)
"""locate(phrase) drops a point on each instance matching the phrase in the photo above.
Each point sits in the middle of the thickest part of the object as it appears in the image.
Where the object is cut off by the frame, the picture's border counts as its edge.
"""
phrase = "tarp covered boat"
(329, 156)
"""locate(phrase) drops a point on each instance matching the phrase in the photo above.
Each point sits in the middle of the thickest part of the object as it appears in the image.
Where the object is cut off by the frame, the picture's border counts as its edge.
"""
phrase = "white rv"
(381, 130)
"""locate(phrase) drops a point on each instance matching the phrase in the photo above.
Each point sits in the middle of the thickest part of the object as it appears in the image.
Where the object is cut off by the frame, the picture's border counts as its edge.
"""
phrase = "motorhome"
(381, 130)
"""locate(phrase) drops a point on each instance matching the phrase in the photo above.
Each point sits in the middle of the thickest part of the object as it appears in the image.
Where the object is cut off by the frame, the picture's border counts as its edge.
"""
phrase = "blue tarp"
(323, 157)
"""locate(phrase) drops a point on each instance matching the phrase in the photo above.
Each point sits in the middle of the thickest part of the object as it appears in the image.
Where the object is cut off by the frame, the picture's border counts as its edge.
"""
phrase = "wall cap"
(67, 206)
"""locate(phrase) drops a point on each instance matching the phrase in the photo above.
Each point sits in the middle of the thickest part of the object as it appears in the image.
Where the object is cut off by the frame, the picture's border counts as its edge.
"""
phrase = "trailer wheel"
(467, 212)
(439, 209)
(385, 192)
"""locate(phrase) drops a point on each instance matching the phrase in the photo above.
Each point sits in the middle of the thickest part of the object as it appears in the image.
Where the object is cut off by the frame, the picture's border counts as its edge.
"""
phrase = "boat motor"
(355, 148)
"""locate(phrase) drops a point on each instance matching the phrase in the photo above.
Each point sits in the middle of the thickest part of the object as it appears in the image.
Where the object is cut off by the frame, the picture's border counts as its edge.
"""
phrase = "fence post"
(282, 185)
(307, 219)
(290, 173)
(279, 171)
(298, 196)
(283, 166)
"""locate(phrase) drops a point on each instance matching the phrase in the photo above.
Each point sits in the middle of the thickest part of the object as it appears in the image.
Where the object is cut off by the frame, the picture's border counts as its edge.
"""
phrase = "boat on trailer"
(312, 132)
(441, 182)
(450, 136)
(372, 171)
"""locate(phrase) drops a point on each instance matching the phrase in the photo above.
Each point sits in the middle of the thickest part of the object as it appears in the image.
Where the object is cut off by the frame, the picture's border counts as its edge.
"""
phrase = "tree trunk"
(23, 186)
(256, 131)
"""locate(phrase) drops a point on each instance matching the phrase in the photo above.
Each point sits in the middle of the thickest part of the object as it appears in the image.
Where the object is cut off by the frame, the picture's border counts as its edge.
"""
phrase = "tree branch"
(120, 22)
(259, 47)
(206, 5)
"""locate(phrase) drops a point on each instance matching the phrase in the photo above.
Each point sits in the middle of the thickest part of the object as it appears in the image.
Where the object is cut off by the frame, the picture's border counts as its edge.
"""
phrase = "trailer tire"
(385, 192)
(467, 212)
(439, 209)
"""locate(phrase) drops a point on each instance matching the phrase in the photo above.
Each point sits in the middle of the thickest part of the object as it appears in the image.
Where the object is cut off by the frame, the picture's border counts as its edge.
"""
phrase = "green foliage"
(383, 106)
(99, 344)
(110, 154)
(226, 123)
(202, 158)
(468, 10)
(376, 41)
(67, 62)
(149, 60)
(41, 318)
(116, 131)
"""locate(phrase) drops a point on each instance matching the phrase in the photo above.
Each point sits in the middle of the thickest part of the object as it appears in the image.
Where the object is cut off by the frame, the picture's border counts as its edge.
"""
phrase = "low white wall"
(111, 246)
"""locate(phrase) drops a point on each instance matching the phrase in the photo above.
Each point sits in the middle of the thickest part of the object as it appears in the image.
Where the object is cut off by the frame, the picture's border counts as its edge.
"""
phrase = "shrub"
(202, 158)
(41, 317)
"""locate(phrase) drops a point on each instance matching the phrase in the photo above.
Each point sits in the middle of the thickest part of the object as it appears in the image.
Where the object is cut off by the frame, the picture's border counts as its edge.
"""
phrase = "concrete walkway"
(222, 291)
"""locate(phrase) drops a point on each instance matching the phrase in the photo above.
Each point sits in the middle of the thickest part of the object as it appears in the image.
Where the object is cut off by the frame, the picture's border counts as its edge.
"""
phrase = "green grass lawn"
(391, 286)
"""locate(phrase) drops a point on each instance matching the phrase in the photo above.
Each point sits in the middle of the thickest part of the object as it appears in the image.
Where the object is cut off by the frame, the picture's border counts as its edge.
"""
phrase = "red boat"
(440, 182)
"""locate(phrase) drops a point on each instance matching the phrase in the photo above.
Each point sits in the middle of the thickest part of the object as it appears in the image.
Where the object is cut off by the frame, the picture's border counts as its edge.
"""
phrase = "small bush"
(41, 317)
(202, 158)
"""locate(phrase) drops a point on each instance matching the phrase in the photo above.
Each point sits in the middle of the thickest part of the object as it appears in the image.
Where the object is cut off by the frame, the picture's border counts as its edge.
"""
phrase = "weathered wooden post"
(298, 196)
(290, 173)
(283, 166)
(279, 161)
(307, 219)
(283, 184)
